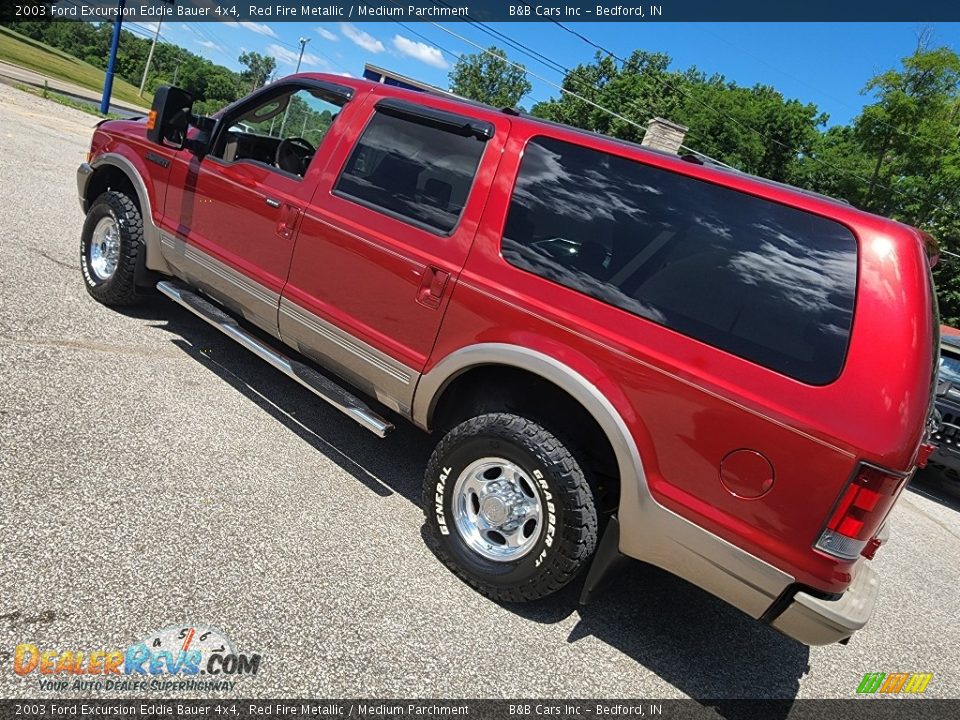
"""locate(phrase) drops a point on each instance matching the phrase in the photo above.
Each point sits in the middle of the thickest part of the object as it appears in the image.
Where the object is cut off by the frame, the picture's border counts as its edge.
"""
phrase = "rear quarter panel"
(688, 404)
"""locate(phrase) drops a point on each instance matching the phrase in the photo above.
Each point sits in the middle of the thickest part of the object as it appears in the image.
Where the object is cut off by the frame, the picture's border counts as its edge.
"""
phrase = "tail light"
(860, 512)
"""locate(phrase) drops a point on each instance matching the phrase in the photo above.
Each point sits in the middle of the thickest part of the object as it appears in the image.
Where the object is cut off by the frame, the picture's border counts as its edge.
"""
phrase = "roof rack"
(690, 157)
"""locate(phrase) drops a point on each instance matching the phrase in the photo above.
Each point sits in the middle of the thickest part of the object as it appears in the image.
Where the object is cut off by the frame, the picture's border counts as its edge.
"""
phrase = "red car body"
(695, 429)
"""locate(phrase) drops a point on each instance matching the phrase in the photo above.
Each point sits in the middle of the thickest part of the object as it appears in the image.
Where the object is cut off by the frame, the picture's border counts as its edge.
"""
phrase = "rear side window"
(407, 167)
(764, 281)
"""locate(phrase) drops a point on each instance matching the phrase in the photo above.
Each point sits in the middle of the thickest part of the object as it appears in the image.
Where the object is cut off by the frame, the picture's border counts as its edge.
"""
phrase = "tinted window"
(767, 282)
(413, 170)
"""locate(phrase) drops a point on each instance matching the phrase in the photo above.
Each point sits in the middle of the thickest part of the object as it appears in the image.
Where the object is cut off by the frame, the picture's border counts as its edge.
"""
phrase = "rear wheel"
(510, 507)
(110, 244)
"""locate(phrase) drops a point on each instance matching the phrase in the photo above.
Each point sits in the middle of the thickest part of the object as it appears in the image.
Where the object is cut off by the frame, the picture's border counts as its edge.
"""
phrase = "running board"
(343, 400)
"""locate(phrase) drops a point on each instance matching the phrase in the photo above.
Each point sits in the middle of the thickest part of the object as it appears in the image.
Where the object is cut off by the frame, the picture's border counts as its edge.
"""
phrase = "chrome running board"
(324, 388)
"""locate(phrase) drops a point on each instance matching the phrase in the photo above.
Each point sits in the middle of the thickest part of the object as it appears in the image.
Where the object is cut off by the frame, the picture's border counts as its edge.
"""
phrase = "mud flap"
(607, 557)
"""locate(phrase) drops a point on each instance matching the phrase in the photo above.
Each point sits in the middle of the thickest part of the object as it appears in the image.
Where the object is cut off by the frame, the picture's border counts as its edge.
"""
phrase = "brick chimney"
(664, 135)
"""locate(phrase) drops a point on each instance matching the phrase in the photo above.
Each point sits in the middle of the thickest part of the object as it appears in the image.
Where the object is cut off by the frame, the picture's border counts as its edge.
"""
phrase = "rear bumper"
(815, 621)
(84, 173)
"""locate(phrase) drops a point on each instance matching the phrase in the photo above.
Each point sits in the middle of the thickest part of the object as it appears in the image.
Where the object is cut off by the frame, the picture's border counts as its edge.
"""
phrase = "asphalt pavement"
(13, 74)
(154, 474)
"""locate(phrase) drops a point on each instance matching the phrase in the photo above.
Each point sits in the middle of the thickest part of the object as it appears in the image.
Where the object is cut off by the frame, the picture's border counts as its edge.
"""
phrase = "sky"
(824, 63)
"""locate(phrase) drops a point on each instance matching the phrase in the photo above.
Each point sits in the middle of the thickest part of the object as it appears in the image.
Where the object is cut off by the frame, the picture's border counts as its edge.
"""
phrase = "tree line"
(899, 157)
(213, 86)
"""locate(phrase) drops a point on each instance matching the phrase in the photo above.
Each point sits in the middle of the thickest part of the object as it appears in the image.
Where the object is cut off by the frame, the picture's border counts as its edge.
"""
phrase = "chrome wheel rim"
(497, 509)
(105, 249)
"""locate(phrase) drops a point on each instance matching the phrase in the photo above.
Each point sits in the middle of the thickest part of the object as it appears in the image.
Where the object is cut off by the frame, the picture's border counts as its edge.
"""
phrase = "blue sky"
(823, 63)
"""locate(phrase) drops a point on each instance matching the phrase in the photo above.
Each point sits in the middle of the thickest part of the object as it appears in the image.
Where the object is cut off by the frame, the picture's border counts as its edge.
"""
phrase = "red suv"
(621, 351)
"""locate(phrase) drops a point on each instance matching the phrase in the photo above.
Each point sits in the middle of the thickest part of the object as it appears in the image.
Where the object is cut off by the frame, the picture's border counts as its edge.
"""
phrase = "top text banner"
(567, 11)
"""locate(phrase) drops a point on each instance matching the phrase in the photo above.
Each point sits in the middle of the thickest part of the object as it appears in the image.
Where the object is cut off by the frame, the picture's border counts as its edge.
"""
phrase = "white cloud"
(325, 34)
(420, 51)
(259, 28)
(209, 44)
(289, 57)
(151, 26)
(365, 40)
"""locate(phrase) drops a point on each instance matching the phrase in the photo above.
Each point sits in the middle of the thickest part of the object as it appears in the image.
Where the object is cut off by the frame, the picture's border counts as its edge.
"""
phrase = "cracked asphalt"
(153, 474)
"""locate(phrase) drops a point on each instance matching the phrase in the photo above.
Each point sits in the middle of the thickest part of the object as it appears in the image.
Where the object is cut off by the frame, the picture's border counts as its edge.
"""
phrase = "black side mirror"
(200, 145)
(170, 116)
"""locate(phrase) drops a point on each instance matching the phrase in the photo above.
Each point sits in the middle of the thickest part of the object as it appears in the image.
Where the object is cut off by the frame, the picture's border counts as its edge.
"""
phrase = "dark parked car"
(946, 458)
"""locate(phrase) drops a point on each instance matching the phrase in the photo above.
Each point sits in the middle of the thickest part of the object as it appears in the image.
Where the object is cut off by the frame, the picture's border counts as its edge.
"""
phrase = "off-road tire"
(120, 288)
(560, 552)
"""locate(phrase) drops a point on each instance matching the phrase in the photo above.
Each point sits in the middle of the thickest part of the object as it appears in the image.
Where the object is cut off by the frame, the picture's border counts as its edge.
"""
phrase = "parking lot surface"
(154, 474)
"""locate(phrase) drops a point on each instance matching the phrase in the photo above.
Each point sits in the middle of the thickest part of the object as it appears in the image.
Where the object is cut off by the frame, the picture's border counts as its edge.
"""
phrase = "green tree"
(213, 86)
(835, 165)
(489, 78)
(637, 92)
(258, 69)
(754, 129)
(910, 135)
(910, 130)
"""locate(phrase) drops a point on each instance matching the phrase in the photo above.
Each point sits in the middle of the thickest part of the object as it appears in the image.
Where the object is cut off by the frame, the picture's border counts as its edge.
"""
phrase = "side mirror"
(170, 117)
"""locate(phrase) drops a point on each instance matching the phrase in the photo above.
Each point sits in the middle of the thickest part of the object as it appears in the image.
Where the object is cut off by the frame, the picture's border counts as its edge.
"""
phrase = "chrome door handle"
(272, 203)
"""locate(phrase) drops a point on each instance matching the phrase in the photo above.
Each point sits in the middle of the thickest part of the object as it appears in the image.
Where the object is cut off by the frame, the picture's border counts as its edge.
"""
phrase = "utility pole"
(176, 70)
(303, 44)
(112, 62)
(146, 68)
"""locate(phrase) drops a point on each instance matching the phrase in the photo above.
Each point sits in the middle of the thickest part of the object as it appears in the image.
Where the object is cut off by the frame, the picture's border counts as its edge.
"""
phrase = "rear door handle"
(432, 284)
(272, 202)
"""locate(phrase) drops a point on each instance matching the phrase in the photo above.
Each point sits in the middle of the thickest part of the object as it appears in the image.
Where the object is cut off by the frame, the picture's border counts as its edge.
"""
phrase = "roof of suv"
(710, 169)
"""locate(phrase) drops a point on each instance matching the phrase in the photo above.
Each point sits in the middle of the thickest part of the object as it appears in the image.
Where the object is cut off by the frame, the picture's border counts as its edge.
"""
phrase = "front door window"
(281, 132)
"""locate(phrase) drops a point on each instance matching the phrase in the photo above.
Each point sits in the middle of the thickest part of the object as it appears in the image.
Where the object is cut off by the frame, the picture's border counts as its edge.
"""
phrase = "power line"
(295, 46)
(538, 77)
(542, 79)
(713, 160)
(516, 45)
(331, 59)
(567, 72)
(729, 117)
(140, 26)
(420, 35)
(215, 42)
(628, 120)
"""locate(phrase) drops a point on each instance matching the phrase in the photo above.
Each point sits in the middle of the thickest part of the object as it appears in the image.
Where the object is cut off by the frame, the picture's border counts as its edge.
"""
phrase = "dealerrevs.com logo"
(185, 657)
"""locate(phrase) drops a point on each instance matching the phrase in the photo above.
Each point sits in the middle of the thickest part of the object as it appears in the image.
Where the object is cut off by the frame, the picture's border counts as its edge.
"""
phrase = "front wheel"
(110, 244)
(510, 507)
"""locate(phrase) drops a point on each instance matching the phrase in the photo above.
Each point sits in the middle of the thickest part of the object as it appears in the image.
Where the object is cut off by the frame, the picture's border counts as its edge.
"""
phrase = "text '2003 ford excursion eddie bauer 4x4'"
(624, 352)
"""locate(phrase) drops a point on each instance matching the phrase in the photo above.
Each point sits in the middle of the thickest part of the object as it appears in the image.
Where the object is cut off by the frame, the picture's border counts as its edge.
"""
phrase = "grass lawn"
(63, 100)
(33, 55)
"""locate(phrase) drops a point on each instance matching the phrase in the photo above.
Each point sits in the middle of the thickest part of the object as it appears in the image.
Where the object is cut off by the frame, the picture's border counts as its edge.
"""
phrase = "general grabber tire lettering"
(510, 507)
(110, 244)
